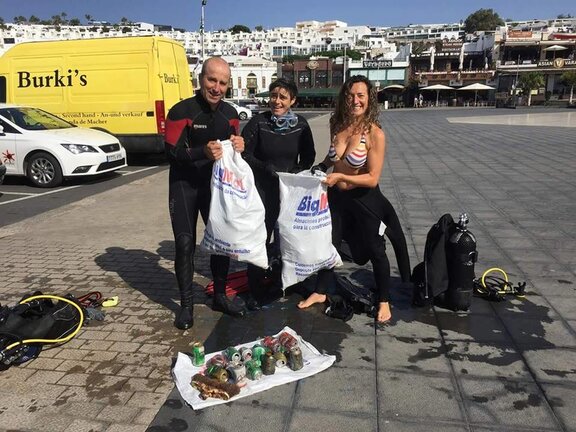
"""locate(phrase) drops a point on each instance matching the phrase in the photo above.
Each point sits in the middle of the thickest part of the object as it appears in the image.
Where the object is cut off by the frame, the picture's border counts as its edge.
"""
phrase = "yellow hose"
(54, 341)
(490, 270)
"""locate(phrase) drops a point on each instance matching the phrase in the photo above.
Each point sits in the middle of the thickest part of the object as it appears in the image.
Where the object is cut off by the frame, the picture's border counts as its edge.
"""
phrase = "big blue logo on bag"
(310, 207)
(305, 227)
(227, 181)
(235, 225)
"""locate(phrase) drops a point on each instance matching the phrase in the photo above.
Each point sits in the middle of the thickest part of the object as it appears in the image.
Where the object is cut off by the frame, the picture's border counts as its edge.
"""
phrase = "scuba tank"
(461, 255)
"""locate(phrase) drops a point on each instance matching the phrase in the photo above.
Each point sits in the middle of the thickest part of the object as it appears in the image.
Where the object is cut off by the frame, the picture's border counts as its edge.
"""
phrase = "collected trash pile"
(227, 373)
(238, 371)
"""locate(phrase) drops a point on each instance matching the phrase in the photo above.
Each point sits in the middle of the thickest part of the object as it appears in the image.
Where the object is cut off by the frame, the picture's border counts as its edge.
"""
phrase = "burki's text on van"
(56, 79)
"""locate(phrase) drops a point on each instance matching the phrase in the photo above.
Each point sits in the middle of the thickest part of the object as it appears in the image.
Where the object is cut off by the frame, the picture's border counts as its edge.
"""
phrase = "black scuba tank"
(461, 256)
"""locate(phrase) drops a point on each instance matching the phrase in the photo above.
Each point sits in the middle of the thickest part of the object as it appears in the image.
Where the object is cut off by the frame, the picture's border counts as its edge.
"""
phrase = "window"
(321, 79)
(304, 79)
(251, 81)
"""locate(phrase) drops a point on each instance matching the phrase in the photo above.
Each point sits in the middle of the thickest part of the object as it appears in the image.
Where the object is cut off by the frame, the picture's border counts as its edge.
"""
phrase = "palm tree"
(569, 78)
(531, 81)
(88, 18)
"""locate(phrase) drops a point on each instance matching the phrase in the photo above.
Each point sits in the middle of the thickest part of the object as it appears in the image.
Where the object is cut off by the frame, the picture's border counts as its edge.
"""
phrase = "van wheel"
(44, 171)
(243, 116)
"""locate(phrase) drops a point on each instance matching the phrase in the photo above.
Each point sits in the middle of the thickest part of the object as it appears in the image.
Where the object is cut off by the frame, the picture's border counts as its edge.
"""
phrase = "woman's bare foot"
(312, 299)
(384, 314)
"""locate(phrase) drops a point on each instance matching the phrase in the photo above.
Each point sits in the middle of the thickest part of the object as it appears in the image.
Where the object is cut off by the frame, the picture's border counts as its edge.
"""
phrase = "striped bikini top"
(355, 159)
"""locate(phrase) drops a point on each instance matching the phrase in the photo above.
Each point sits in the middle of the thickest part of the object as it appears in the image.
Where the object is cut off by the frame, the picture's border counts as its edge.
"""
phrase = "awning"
(310, 92)
(393, 87)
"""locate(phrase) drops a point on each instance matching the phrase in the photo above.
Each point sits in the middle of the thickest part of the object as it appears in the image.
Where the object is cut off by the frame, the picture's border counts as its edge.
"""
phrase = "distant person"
(416, 102)
(278, 140)
(360, 213)
(193, 127)
(420, 100)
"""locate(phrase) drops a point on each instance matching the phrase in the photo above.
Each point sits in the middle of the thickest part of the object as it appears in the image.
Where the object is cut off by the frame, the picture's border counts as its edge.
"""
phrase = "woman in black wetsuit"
(275, 141)
(360, 213)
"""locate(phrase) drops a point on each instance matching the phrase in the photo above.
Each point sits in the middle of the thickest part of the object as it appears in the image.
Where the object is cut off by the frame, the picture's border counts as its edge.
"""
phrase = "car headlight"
(79, 148)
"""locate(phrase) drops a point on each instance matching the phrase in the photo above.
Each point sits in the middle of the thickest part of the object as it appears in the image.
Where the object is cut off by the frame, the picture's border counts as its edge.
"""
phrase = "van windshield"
(33, 118)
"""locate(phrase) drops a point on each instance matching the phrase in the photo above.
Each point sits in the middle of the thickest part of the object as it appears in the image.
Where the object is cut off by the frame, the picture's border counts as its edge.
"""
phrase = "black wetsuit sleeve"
(251, 136)
(306, 148)
(177, 143)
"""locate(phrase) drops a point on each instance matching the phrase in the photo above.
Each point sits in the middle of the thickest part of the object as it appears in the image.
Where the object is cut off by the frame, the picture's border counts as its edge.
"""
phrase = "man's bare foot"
(384, 314)
(313, 299)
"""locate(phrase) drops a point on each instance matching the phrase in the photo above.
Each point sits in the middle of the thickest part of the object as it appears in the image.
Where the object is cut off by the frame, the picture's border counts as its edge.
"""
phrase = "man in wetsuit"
(193, 128)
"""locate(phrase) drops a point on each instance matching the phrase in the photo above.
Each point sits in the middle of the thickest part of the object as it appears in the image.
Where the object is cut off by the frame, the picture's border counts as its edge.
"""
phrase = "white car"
(47, 149)
(243, 113)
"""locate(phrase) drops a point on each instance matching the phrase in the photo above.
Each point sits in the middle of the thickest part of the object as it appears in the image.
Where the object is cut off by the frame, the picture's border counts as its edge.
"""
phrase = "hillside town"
(414, 65)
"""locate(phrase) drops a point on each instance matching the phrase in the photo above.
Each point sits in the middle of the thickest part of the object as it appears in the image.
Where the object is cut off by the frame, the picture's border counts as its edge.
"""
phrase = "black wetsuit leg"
(270, 195)
(396, 236)
(186, 201)
(351, 213)
(184, 207)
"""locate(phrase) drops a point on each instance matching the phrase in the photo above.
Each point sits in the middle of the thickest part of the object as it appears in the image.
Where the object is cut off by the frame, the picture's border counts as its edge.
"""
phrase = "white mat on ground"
(184, 370)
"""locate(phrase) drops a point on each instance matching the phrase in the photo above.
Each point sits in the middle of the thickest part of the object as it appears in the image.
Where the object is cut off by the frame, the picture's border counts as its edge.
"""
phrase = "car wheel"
(243, 116)
(44, 171)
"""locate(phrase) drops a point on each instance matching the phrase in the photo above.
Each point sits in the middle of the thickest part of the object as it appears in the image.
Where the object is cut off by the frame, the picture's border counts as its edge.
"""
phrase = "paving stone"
(427, 355)
(506, 403)
(86, 426)
(552, 364)
(416, 395)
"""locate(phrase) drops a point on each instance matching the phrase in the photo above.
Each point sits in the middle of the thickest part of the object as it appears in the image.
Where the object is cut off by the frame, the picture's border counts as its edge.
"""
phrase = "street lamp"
(345, 61)
(328, 41)
(202, 29)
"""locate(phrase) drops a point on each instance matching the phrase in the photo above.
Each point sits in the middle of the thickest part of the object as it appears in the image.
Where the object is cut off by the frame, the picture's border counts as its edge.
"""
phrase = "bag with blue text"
(305, 227)
(235, 225)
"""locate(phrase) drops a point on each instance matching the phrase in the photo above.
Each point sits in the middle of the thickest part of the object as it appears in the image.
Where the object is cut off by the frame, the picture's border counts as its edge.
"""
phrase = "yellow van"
(124, 86)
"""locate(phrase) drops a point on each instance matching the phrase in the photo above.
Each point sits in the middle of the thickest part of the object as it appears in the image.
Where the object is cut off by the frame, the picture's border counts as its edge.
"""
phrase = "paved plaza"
(507, 366)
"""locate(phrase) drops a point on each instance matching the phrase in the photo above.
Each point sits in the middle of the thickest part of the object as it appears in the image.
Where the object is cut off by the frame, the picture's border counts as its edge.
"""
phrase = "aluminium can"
(237, 373)
(295, 359)
(246, 353)
(268, 364)
(253, 371)
(218, 373)
(233, 355)
(287, 340)
(198, 355)
(281, 360)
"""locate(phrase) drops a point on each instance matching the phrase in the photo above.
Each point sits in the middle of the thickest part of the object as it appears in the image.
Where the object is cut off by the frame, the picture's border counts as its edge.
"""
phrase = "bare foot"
(384, 314)
(313, 299)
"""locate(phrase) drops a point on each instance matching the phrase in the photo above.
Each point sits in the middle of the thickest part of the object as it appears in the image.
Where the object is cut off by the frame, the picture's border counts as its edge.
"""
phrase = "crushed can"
(237, 373)
(253, 371)
(272, 343)
(218, 373)
(257, 352)
(287, 340)
(218, 360)
(233, 355)
(295, 359)
(268, 364)
(280, 358)
(246, 353)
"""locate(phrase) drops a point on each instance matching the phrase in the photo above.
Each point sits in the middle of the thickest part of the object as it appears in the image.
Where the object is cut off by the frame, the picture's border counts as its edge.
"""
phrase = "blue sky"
(223, 14)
